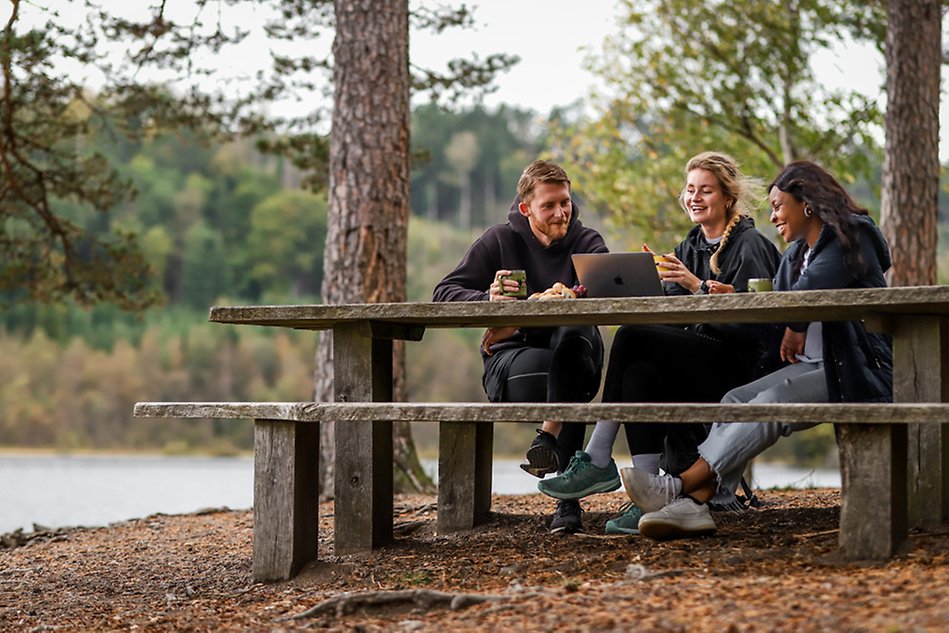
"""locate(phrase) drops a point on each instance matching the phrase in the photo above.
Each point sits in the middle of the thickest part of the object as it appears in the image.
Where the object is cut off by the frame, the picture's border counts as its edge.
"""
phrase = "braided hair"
(732, 223)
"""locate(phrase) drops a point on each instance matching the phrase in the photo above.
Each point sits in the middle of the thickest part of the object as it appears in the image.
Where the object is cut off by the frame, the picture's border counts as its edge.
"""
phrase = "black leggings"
(565, 367)
(663, 363)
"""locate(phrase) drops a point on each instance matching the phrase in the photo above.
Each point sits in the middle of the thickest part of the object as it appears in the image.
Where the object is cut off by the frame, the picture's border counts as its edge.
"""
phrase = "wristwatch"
(703, 287)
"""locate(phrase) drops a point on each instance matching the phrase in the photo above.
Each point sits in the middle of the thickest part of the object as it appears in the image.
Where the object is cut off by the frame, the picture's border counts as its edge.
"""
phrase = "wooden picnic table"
(894, 474)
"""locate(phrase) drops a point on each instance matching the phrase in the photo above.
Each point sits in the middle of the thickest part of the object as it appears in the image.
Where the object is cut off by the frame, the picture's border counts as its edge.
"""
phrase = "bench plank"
(677, 413)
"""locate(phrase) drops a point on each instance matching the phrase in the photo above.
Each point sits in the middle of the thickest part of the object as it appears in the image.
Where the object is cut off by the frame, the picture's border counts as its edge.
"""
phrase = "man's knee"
(739, 395)
(568, 335)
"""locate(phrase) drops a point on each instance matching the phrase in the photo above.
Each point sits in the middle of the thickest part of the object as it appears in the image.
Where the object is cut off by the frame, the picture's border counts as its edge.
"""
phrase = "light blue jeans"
(729, 446)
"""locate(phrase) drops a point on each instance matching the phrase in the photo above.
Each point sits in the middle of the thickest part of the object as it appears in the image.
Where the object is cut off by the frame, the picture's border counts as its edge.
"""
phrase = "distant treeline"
(68, 380)
(226, 225)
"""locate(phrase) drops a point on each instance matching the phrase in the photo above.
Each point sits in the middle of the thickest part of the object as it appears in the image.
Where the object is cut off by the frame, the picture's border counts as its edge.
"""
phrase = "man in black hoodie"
(535, 364)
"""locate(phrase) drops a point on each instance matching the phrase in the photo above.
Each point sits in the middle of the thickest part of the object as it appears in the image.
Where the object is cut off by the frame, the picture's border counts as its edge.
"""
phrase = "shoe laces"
(733, 506)
(629, 508)
(576, 466)
(663, 485)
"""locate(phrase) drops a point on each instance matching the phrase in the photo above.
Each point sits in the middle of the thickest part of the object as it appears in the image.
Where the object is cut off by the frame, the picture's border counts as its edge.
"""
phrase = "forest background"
(225, 224)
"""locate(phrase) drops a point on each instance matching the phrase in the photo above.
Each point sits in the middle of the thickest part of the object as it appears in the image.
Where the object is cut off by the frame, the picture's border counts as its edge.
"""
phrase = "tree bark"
(910, 206)
(911, 153)
(365, 257)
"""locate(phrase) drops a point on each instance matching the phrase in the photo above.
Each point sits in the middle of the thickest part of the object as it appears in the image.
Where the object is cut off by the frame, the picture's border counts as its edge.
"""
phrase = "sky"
(534, 31)
(552, 39)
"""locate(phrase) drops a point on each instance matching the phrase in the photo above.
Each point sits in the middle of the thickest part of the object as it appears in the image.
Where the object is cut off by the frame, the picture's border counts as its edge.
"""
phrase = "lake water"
(64, 490)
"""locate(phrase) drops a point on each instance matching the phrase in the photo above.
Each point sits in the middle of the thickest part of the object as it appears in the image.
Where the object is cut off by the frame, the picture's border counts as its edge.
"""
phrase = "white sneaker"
(680, 519)
(650, 492)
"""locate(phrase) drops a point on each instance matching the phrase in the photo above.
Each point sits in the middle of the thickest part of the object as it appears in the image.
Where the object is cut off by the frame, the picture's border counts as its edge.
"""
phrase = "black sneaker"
(542, 455)
(567, 517)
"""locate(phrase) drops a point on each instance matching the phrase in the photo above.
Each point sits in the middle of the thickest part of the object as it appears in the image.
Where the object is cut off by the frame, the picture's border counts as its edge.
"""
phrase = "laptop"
(618, 274)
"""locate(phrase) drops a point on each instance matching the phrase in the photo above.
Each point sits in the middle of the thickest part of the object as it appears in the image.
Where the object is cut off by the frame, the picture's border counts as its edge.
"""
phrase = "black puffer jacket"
(858, 364)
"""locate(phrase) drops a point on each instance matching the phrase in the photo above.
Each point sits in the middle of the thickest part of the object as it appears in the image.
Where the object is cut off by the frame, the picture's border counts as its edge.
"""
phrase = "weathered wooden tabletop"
(812, 305)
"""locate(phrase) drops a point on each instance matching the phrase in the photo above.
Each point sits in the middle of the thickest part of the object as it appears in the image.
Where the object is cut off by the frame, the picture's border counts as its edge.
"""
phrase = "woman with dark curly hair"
(835, 244)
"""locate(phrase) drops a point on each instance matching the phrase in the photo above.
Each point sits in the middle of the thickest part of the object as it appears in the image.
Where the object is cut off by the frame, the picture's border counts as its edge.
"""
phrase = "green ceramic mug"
(520, 277)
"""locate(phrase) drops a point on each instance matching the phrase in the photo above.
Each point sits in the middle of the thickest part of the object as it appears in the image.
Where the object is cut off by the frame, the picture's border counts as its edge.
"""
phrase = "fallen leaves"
(769, 569)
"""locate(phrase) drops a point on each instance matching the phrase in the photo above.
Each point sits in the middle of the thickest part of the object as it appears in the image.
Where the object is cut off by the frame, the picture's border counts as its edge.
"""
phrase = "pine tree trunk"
(909, 214)
(365, 257)
(911, 157)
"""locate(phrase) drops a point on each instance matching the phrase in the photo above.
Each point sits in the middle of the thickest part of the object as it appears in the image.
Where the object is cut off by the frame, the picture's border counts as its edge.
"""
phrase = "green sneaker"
(580, 479)
(627, 522)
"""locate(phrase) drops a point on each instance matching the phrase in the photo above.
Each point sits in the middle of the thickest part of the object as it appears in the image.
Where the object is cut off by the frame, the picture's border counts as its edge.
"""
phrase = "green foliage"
(58, 182)
(814, 447)
(69, 376)
(683, 76)
(49, 176)
(292, 223)
(466, 163)
(202, 276)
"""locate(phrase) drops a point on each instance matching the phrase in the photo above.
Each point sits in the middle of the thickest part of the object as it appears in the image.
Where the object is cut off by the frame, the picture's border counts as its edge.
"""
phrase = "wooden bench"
(894, 457)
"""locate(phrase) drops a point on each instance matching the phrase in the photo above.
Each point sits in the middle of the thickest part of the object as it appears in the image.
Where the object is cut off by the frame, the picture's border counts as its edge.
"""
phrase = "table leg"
(465, 454)
(921, 374)
(286, 497)
(363, 485)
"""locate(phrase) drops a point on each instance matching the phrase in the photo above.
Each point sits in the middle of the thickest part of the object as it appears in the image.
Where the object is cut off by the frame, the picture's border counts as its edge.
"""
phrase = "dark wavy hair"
(814, 186)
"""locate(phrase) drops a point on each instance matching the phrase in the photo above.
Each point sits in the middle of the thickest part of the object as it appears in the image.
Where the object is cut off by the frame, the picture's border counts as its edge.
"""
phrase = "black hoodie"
(512, 246)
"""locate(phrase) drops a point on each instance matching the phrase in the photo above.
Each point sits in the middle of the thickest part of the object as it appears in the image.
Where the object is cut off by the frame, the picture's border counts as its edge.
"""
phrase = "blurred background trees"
(226, 204)
(684, 75)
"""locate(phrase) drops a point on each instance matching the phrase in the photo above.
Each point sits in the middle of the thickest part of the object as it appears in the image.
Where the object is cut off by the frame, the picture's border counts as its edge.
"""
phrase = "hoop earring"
(808, 212)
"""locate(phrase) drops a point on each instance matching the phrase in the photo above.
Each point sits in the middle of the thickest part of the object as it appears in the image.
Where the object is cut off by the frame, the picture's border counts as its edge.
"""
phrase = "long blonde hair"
(744, 193)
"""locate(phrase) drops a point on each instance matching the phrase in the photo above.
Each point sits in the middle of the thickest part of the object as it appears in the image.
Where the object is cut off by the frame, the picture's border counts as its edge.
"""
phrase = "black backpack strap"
(750, 499)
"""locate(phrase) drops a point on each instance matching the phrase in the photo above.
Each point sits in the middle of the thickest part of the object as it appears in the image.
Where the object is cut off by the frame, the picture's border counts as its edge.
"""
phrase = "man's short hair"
(540, 171)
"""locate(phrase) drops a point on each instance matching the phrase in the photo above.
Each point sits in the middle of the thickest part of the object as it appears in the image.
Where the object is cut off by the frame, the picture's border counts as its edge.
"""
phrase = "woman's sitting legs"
(723, 455)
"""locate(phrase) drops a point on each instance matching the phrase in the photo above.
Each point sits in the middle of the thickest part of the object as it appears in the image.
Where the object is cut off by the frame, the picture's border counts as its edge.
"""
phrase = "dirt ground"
(771, 569)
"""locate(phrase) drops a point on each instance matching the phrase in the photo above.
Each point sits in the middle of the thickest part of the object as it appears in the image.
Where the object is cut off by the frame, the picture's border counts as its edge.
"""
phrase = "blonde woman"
(665, 363)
